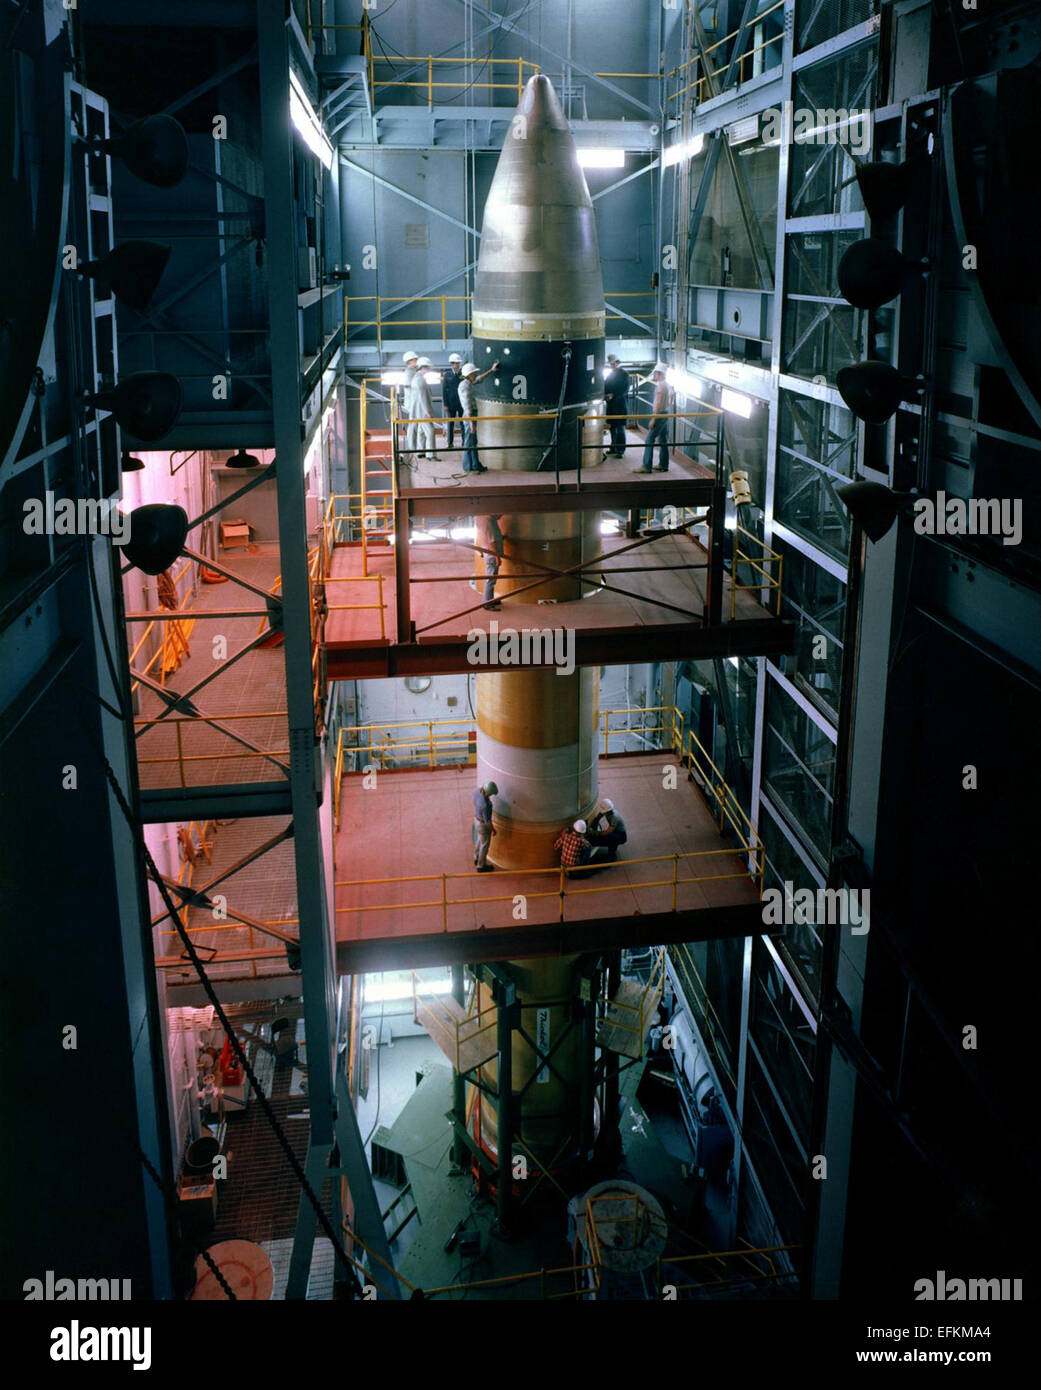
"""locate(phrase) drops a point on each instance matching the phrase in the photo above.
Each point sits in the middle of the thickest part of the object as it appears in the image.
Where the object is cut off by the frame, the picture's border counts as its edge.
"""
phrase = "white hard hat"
(408, 356)
(580, 826)
(469, 368)
(423, 362)
(605, 805)
(455, 357)
(660, 367)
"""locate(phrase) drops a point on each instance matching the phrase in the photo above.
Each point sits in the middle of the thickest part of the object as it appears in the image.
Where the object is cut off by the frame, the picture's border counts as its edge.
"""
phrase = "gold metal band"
(538, 327)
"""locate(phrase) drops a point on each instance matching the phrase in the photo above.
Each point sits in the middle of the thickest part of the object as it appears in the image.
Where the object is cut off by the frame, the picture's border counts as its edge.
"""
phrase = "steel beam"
(549, 939)
(226, 802)
(409, 197)
(280, 219)
(510, 26)
(593, 647)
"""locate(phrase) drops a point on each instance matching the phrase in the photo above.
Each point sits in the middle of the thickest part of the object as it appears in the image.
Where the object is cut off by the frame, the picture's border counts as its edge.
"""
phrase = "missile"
(538, 309)
(538, 304)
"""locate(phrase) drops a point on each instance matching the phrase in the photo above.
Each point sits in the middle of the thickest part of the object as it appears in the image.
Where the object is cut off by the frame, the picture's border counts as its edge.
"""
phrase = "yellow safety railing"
(443, 316)
(729, 810)
(768, 565)
(196, 842)
(459, 1031)
(429, 741)
(627, 1210)
(564, 889)
(174, 640)
(431, 82)
(383, 742)
(636, 1018)
(695, 75)
(751, 1273)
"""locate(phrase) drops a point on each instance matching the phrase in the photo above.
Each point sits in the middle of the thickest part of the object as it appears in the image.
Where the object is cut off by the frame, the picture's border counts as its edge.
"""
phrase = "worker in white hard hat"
(575, 851)
(607, 830)
(410, 359)
(423, 411)
(663, 409)
(450, 379)
(471, 376)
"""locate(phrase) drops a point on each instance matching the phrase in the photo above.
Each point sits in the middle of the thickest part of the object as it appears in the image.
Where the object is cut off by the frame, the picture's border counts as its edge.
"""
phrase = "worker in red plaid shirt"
(575, 850)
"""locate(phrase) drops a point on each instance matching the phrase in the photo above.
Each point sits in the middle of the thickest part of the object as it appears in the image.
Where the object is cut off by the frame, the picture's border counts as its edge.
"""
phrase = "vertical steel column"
(403, 597)
(586, 1006)
(714, 581)
(316, 938)
(459, 1149)
(506, 996)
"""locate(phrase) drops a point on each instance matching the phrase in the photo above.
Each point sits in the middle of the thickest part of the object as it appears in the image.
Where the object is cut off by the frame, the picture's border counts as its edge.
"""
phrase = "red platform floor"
(418, 825)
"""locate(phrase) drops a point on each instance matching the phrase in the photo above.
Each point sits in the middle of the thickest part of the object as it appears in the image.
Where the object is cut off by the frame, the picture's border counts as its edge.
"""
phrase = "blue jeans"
(491, 569)
(471, 463)
(658, 433)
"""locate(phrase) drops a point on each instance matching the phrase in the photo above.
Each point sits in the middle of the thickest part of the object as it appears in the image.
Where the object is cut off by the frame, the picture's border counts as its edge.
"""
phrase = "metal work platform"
(400, 610)
(677, 879)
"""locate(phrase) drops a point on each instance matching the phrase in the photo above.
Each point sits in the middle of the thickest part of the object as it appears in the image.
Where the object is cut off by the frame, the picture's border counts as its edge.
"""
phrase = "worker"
(483, 827)
(450, 379)
(490, 541)
(471, 377)
(658, 429)
(423, 411)
(575, 850)
(410, 359)
(608, 829)
(616, 392)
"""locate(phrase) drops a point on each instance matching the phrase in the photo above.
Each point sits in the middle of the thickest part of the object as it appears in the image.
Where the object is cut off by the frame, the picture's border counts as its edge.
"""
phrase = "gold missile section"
(538, 328)
(546, 1118)
(514, 436)
(536, 739)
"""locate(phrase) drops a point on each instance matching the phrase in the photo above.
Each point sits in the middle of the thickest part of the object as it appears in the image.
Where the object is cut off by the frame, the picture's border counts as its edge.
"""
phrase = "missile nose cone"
(539, 249)
(539, 105)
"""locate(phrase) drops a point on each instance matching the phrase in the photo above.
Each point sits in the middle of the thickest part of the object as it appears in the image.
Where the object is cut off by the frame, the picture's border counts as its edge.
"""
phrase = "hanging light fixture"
(871, 273)
(240, 459)
(873, 390)
(885, 187)
(154, 149)
(130, 464)
(873, 506)
(157, 533)
(132, 270)
(146, 404)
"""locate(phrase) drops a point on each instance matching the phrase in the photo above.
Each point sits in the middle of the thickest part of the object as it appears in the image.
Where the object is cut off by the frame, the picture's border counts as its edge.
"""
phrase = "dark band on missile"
(541, 365)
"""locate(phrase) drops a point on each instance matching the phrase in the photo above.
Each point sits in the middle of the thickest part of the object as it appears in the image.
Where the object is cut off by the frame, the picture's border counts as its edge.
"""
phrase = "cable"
(171, 1207)
(566, 354)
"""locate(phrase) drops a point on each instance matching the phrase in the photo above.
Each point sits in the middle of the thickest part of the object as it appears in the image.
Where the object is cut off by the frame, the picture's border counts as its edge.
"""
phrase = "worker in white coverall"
(422, 411)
